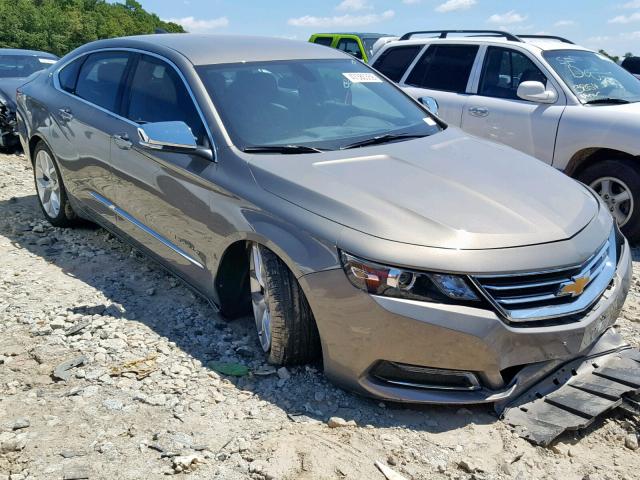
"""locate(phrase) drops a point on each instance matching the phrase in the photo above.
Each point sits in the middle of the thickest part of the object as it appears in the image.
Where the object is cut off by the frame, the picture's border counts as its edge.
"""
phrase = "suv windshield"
(19, 66)
(594, 78)
(322, 104)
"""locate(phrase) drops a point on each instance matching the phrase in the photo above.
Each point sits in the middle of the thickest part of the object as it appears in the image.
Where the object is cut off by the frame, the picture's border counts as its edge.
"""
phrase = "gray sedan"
(295, 184)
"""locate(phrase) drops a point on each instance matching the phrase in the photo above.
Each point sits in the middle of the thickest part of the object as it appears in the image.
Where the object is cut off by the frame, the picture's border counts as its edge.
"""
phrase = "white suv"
(567, 106)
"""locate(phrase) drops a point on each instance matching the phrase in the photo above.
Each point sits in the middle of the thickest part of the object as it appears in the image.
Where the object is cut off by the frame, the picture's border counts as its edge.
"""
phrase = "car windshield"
(593, 77)
(322, 104)
(19, 66)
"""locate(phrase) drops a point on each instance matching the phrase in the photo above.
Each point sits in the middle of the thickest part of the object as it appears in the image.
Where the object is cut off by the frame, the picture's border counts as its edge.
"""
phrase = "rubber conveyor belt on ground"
(575, 395)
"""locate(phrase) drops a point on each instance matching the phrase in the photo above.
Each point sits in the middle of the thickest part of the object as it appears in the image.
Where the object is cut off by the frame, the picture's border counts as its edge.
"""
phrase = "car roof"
(34, 53)
(532, 44)
(206, 49)
(358, 34)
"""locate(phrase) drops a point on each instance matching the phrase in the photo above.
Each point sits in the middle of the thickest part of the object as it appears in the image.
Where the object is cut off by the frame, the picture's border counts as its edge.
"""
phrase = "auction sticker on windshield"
(362, 77)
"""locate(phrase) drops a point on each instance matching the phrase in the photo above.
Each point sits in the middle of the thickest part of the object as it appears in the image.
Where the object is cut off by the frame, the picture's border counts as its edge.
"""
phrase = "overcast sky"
(609, 24)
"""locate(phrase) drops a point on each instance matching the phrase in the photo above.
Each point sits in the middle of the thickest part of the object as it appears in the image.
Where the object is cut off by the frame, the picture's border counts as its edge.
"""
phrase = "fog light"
(424, 377)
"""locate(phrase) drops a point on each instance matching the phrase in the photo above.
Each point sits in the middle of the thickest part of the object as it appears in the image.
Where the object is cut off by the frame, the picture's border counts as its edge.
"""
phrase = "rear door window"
(444, 67)
(326, 41)
(101, 79)
(394, 61)
(158, 94)
(504, 70)
(350, 46)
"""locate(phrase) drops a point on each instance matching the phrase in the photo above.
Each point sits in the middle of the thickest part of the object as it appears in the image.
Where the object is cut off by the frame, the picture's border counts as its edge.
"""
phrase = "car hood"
(449, 190)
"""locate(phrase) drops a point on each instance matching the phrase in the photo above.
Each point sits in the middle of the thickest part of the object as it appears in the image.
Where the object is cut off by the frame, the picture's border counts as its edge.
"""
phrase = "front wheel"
(617, 181)
(286, 328)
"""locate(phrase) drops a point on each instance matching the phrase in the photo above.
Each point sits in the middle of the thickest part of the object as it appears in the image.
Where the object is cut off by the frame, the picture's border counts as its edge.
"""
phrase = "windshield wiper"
(390, 137)
(610, 101)
(284, 149)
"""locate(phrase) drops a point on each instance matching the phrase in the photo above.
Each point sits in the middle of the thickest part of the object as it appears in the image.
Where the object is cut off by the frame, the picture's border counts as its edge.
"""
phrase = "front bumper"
(359, 330)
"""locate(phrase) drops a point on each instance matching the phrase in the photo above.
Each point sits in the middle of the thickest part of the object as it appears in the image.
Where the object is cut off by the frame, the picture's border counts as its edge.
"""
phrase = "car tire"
(52, 195)
(286, 328)
(618, 178)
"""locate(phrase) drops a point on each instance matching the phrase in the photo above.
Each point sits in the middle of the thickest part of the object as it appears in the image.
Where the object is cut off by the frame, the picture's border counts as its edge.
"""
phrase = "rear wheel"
(284, 322)
(52, 195)
(617, 181)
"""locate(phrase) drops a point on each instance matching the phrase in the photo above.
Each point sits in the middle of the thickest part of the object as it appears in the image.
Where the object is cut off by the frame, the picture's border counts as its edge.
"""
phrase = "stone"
(283, 373)
(186, 463)
(337, 422)
(631, 441)
(112, 404)
(20, 423)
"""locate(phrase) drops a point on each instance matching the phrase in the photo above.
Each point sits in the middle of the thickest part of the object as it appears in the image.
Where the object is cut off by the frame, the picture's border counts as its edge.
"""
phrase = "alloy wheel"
(617, 195)
(47, 183)
(259, 296)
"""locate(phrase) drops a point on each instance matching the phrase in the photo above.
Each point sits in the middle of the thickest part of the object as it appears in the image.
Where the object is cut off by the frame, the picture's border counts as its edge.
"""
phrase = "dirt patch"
(137, 397)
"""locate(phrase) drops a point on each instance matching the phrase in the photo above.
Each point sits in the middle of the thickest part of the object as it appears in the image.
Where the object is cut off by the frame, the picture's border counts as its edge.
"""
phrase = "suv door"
(163, 203)
(497, 113)
(394, 61)
(443, 72)
(88, 93)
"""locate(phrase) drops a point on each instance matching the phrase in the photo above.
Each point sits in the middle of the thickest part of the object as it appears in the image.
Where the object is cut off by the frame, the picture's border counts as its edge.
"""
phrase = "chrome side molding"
(125, 216)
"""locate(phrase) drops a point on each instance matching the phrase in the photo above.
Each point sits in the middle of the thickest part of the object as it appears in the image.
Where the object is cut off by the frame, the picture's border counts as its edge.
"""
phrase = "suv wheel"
(51, 192)
(617, 181)
(286, 328)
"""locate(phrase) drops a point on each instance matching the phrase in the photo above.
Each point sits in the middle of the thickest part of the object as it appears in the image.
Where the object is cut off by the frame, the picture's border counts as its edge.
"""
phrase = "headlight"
(396, 282)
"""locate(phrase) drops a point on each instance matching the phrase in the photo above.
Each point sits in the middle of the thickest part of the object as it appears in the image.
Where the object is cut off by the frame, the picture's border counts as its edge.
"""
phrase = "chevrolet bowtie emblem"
(574, 287)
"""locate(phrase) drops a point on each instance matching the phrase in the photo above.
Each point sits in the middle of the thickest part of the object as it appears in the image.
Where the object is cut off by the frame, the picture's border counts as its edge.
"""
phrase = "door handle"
(479, 111)
(65, 114)
(122, 141)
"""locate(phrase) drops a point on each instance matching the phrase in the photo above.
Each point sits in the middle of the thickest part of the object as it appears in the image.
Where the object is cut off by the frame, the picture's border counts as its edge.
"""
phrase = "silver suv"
(561, 103)
(294, 184)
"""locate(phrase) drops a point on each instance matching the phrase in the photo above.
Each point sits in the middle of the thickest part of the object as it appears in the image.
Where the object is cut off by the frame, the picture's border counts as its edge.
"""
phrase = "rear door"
(352, 46)
(394, 61)
(326, 40)
(89, 91)
(164, 203)
(497, 113)
(443, 72)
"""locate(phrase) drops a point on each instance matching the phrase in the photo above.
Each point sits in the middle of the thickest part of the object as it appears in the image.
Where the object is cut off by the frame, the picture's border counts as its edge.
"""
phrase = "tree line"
(59, 26)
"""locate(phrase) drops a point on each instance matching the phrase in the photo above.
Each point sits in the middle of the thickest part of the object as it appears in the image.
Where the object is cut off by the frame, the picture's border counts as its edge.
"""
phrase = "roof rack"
(550, 37)
(444, 33)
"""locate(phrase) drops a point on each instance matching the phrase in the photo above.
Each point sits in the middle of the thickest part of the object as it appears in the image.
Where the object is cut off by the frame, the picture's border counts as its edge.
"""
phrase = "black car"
(15, 68)
(632, 65)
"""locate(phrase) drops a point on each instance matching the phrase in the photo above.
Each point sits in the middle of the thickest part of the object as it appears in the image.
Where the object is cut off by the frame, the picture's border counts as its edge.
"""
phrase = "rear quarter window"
(68, 76)
(394, 61)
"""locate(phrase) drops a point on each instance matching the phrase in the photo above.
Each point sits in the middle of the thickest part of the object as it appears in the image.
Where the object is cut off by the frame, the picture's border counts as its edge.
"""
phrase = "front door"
(496, 112)
(163, 202)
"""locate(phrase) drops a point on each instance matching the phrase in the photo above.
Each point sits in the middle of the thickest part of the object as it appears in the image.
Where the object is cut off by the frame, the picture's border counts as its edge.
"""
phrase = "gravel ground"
(140, 398)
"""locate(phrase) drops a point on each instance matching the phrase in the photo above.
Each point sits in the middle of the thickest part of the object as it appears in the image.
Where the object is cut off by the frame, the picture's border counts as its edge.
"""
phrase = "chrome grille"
(554, 293)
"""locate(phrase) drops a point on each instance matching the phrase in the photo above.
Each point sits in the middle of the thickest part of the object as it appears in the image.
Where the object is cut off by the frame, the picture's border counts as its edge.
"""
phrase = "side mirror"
(536, 92)
(173, 136)
(431, 104)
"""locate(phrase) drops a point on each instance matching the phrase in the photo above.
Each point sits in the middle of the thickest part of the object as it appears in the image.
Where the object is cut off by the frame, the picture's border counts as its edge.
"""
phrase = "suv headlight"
(396, 282)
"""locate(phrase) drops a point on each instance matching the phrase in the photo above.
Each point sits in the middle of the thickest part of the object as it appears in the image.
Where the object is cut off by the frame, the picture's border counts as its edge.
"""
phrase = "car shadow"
(138, 289)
